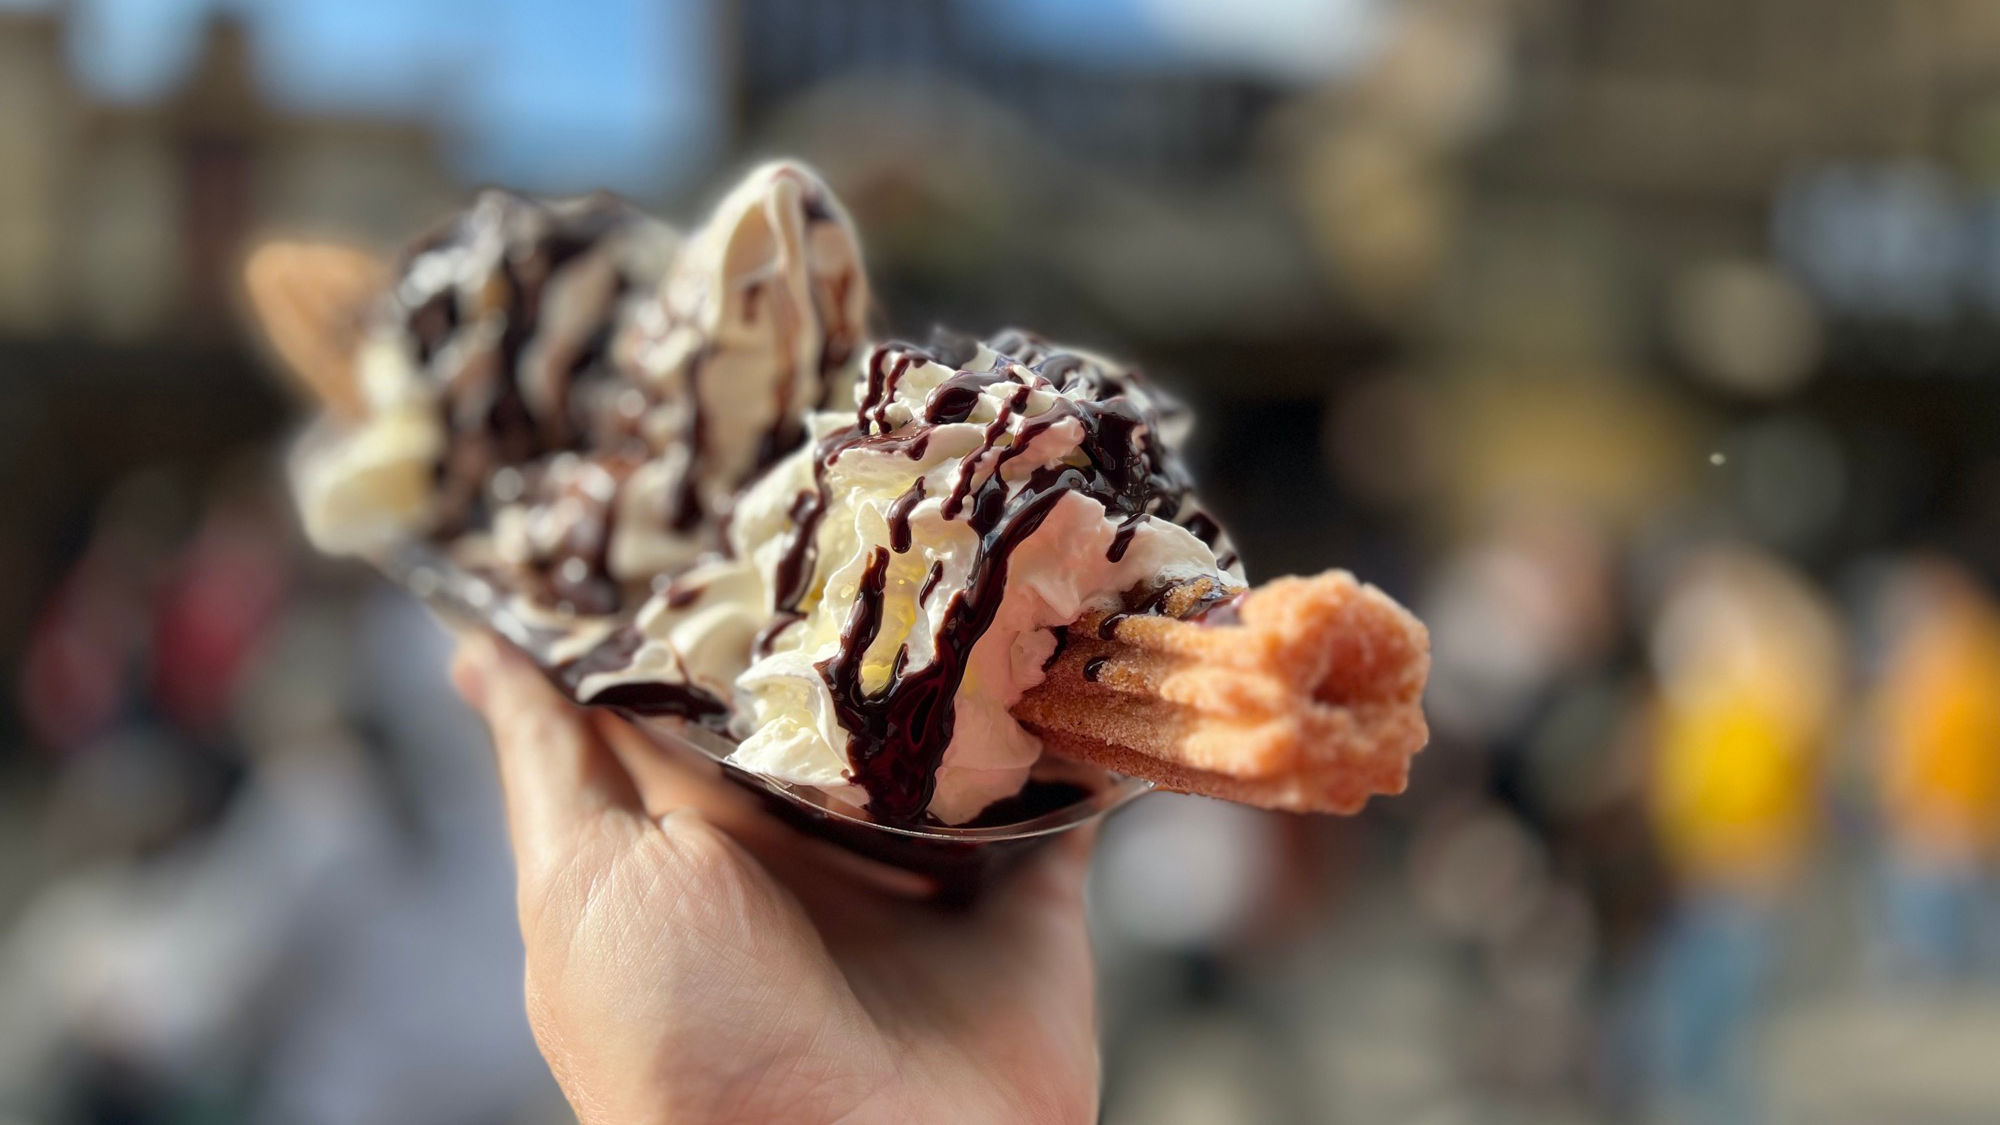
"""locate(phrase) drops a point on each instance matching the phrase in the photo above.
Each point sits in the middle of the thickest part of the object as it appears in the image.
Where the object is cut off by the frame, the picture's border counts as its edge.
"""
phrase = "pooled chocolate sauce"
(1094, 666)
(612, 653)
(1036, 798)
(954, 400)
(656, 697)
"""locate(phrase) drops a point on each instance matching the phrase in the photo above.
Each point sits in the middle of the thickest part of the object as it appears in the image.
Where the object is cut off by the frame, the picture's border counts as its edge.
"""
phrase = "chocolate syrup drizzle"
(516, 389)
(680, 699)
(1061, 633)
(1121, 540)
(1137, 605)
(930, 582)
(469, 300)
(900, 726)
(680, 594)
(898, 516)
(574, 573)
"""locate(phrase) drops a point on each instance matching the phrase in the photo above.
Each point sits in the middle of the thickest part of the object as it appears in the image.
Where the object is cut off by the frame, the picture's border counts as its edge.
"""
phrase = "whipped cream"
(914, 561)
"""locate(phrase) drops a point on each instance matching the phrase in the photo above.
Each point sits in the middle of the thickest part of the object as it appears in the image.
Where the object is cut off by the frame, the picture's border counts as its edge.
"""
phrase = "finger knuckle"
(704, 856)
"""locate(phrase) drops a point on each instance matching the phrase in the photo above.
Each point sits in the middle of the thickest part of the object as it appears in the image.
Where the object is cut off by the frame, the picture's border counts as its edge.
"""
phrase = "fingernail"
(470, 669)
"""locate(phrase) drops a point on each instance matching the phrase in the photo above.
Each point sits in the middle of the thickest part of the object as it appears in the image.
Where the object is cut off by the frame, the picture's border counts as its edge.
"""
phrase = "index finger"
(555, 770)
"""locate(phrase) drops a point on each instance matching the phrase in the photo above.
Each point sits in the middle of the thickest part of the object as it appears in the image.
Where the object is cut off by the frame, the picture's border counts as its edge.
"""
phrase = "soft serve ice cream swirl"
(570, 396)
(488, 351)
(917, 560)
(757, 324)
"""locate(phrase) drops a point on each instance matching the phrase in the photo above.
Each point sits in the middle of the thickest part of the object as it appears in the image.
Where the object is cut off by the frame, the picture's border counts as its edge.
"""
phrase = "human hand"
(687, 961)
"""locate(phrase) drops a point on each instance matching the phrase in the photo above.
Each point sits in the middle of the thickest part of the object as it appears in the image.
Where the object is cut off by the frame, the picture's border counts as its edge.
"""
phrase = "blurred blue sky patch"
(559, 95)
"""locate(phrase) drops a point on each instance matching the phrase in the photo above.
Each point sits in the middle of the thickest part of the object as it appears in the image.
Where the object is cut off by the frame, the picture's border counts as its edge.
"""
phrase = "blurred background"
(1650, 349)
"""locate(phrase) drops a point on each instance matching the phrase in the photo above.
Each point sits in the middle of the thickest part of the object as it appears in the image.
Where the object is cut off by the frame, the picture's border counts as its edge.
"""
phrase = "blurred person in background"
(279, 887)
(220, 598)
(1518, 612)
(140, 651)
(81, 676)
(1936, 733)
(1526, 860)
(1747, 659)
(140, 654)
(1189, 900)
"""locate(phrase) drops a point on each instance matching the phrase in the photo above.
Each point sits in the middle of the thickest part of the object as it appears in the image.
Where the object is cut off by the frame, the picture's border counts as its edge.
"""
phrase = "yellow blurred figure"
(1938, 719)
(1937, 741)
(1748, 661)
(1731, 786)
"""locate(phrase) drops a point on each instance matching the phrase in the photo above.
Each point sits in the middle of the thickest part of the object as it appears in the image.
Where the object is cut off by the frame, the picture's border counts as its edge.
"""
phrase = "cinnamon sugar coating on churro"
(1302, 694)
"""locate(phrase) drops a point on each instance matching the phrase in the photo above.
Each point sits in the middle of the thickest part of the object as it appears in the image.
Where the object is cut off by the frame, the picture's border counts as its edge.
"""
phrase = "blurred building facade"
(122, 228)
(126, 221)
(1159, 118)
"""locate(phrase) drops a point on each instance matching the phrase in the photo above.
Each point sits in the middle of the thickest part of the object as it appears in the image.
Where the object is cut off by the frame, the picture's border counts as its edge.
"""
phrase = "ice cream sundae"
(908, 575)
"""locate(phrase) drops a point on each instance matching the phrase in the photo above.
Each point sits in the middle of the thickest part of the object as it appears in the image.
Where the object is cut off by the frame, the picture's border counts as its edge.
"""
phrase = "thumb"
(703, 884)
(556, 774)
(668, 975)
(708, 930)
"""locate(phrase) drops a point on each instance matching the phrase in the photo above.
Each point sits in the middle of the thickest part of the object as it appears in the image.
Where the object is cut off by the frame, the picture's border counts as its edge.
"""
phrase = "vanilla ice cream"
(570, 396)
